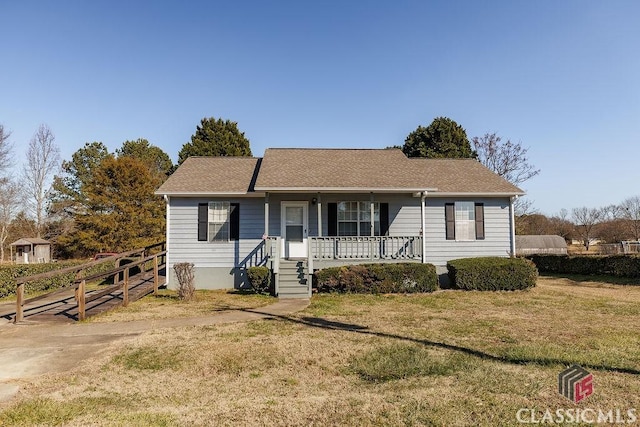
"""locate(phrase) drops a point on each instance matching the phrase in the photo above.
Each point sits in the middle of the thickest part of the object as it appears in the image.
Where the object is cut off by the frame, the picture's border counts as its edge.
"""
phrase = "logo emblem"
(575, 383)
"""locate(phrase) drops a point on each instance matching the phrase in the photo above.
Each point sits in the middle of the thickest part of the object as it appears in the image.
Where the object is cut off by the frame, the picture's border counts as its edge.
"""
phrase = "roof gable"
(212, 175)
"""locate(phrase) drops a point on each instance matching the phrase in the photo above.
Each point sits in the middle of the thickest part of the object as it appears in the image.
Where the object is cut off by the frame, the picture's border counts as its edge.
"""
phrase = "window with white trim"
(218, 221)
(464, 221)
(354, 218)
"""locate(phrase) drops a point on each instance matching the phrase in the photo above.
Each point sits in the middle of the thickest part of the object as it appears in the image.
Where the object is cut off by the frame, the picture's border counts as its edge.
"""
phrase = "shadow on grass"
(610, 280)
(317, 322)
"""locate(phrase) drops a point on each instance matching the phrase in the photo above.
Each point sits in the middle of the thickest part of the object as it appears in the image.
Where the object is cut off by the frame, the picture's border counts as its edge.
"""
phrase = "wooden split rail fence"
(156, 259)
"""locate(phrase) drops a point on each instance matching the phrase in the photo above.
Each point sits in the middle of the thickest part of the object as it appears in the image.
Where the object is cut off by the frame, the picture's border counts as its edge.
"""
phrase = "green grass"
(149, 359)
(401, 361)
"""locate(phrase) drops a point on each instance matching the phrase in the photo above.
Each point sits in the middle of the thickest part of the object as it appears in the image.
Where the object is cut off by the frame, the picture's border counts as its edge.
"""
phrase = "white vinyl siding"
(497, 241)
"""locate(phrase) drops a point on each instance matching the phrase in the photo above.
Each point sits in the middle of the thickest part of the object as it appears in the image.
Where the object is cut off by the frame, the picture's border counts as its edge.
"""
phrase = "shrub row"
(492, 273)
(8, 274)
(378, 278)
(614, 265)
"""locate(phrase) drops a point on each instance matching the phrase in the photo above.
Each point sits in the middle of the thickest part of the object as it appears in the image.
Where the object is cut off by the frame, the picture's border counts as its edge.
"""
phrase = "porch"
(323, 252)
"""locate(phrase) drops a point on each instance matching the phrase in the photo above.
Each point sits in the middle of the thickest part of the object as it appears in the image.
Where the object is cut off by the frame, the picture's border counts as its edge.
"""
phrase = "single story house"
(299, 210)
(30, 250)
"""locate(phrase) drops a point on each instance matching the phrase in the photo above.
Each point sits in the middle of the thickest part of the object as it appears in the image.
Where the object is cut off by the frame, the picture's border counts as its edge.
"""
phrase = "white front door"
(295, 222)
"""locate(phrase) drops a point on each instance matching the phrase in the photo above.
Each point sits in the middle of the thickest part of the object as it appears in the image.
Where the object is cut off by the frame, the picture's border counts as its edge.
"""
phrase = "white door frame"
(294, 249)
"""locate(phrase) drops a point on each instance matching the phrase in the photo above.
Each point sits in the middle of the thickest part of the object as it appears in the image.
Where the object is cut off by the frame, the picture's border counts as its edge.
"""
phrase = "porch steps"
(292, 279)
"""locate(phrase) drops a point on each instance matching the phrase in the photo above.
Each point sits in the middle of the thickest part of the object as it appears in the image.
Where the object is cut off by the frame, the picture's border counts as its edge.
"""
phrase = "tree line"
(104, 201)
(98, 200)
(608, 224)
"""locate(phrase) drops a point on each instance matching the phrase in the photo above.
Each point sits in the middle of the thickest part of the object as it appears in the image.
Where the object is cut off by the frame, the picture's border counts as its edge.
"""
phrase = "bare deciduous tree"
(630, 211)
(585, 220)
(508, 159)
(43, 159)
(10, 197)
(5, 152)
(559, 224)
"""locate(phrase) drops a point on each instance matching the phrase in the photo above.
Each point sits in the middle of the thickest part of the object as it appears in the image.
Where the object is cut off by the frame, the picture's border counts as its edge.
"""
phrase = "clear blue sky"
(562, 77)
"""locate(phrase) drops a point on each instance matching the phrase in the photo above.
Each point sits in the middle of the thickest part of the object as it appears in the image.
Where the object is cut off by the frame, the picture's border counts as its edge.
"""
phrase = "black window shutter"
(480, 221)
(450, 219)
(234, 225)
(203, 221)
(384, 218)
(332, 224)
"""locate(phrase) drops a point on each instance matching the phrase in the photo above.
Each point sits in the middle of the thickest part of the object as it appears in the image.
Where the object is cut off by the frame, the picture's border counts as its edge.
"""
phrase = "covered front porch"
(305, 232)
(294, 276)
(342, 227)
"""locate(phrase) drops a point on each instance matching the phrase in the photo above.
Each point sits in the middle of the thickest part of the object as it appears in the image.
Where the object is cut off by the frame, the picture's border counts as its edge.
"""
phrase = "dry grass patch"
(451, 358)
(167, 305)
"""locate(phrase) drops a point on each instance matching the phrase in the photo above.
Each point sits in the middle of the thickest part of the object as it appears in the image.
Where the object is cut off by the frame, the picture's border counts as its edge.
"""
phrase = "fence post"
(19, 302)
(116, 277)
(155, 275)
(125, 290)
(81, 301)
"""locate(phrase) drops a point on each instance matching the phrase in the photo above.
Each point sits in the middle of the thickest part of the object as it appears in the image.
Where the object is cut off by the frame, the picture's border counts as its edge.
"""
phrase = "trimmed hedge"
(492, 274)
(613, 265)
(8, 274)
(259, 279)
(378, 278)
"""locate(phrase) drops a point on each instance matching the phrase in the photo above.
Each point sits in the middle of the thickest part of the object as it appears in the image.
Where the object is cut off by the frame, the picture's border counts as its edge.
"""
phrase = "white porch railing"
(366, 247)
(273, 254)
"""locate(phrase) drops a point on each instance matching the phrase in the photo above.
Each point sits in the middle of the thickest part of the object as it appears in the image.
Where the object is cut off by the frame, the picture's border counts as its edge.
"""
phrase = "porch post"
(319, 204)
(423, 208)
(266, 215)
(513, 225)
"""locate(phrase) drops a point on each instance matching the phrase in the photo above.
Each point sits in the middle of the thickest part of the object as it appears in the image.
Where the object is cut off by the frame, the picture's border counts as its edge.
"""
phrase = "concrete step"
(293, 295)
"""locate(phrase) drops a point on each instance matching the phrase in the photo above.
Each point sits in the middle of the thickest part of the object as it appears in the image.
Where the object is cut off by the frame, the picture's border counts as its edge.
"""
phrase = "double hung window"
(218, 221)
(354, 218)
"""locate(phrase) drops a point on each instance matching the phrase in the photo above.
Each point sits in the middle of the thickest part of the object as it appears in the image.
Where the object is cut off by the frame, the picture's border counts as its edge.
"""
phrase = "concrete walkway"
(28, 350)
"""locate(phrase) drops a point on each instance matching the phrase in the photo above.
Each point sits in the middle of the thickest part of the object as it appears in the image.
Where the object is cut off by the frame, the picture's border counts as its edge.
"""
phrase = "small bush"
(259, 279)
(492, 274)
(614, 265)
(378, 278)
(185, 275)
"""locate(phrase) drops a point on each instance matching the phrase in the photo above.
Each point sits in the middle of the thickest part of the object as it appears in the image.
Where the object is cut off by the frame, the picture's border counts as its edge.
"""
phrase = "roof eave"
(475, 194)
(208, 194)
(342, 189)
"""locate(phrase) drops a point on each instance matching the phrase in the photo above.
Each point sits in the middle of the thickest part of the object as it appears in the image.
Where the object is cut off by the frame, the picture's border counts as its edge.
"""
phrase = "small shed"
(30, 250)
(540, 244)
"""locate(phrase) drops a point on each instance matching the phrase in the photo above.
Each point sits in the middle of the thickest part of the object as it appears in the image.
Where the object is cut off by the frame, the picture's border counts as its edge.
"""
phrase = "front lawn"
(447, 358)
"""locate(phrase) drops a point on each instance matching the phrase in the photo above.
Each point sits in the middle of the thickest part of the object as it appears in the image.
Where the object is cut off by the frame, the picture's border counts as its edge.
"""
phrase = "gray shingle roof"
(390, 169)
(30, 240)
(299, 169)
(211, 175)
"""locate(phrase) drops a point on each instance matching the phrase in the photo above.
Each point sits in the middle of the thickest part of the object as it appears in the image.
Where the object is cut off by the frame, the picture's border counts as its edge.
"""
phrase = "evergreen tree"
(443, 138)
(216, 137)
